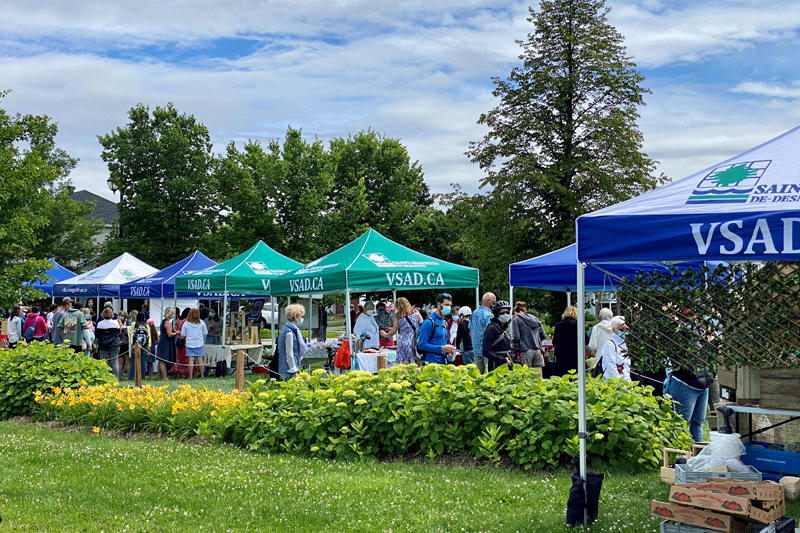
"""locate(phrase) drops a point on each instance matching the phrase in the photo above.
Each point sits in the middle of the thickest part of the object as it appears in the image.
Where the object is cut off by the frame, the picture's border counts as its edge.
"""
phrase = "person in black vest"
(496, 339)
(565, 339)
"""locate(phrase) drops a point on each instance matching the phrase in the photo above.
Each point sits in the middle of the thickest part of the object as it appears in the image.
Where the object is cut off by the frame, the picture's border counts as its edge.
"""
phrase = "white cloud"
(775, 90)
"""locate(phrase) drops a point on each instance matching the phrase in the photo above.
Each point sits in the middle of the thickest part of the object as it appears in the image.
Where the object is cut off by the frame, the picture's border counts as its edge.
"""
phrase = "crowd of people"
(113, 336)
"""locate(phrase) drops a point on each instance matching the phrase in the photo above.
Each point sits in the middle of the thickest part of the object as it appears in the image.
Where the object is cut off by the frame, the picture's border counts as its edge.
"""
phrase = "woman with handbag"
(182, 366)
(406, 322)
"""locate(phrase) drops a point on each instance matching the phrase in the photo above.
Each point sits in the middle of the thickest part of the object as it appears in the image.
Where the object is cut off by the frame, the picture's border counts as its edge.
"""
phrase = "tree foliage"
(562, 141)
(33, 198)
(161, 163)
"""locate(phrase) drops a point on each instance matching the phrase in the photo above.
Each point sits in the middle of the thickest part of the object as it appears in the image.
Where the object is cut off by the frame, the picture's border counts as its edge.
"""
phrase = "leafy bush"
(153, 409)
(437, 409)
(40, 366)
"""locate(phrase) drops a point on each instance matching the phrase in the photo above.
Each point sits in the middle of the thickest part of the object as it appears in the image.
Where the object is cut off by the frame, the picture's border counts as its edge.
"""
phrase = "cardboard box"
(692, 516)
(381, 362)
(762, 490)
(4, 328)
(764, 511)
(714, 501)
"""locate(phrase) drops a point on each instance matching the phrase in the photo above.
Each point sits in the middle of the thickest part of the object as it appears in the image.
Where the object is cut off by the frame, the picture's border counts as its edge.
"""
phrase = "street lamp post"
(112, 185)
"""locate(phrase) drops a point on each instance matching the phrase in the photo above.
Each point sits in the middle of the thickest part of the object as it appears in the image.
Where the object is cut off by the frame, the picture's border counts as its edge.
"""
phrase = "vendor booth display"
(744, 209)
(373, 263)
(104, 281)
(56, 273)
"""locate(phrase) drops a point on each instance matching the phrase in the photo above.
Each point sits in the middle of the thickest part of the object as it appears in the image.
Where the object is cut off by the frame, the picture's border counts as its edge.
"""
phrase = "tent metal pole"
(348, 322)
(477, 297)
(582, 435)
(224, 316)
(511, 302)
(394, 303)
(272, 319)
(569, 298)
(310, 316)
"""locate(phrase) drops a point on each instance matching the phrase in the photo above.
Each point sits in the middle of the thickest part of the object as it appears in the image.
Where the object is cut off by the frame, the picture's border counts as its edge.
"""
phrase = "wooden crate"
(727, 378)
(780, 389)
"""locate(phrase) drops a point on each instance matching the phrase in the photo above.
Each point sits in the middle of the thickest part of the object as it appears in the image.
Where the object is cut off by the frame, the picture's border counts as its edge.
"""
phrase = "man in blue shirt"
(432, 342)
(480, 319)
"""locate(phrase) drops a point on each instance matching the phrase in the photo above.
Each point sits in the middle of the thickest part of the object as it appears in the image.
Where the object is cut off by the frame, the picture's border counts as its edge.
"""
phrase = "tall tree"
(278, 196)
(377, 185)
(32, 169)
(161, 164)
(563, 139)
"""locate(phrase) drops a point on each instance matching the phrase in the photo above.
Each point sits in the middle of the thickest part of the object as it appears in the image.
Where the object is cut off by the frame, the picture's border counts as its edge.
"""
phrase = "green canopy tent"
(373, 263)
(248, 274)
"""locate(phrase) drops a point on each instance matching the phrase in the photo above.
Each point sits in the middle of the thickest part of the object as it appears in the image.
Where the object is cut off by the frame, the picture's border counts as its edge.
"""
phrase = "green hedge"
(453, 410)
(41, 367)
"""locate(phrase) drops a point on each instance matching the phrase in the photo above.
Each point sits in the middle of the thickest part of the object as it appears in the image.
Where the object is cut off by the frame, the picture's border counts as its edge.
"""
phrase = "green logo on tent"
(729, 184)
(128, 274)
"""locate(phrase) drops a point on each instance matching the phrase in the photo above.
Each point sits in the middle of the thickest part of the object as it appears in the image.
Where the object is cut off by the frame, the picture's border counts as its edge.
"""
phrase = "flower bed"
(153, 409)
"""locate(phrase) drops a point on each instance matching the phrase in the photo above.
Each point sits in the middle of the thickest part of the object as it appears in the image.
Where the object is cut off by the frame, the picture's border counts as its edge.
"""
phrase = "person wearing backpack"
(496, 338)
(406, 325)
(71, 326)
(108, 342)
(140, 336)
(614, 360)
(35, 328)
(432, 342)
(528, 335)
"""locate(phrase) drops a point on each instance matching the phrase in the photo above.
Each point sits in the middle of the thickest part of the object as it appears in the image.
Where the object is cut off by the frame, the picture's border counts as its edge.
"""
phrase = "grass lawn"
(57, 480)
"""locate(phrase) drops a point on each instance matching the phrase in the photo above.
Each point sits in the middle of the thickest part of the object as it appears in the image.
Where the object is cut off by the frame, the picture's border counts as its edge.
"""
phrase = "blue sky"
(724, 74)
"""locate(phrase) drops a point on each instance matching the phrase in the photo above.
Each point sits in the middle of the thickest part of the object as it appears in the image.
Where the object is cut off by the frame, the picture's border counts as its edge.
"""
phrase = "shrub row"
(452, 410)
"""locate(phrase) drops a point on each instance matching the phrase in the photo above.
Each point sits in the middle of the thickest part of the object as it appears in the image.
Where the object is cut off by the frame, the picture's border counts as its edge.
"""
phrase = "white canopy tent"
(744, 209)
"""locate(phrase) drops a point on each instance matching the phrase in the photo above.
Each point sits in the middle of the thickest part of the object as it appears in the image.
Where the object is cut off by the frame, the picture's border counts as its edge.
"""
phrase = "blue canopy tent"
(56, 273)
(160, 285)
(743, 209)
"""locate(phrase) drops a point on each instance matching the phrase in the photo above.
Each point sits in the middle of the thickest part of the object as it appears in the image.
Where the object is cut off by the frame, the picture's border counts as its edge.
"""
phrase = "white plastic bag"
(722, 450)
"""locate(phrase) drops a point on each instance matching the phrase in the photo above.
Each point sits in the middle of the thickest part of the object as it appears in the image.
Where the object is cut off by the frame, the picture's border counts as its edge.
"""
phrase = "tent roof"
(556, 271)
(248, 273)
(56, 273)
(162, 283)
(746, 208)
(105, 279)
(374, 263)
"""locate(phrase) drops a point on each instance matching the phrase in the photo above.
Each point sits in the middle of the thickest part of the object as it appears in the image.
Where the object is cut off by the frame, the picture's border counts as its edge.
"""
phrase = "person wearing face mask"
(214, 327)
(367, 325)
(385, 321)
(88, 332)
(433, 343)
(496, 339)
(291, 345)
(165, 350)
(615, 360)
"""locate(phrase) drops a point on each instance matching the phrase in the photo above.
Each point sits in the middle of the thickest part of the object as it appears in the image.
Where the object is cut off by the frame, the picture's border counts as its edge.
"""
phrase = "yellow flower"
(341, 404)
(377, 393)
(361, 401)
(315, 448)
(395, 386)
(349, 393)
(131, 407)
(263, 395)
(96, 429)
(261, 405)
(213, 413)
(317, 372)
(331, 400)
(405, 383)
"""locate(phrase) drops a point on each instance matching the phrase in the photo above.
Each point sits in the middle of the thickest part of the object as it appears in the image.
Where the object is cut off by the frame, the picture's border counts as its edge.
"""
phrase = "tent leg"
(348, 323)
(510, 301)
(224, 317)
(477, 297)
(394, 303)
(310, 316)
(569, 298)
(582, 435)
(272, 318)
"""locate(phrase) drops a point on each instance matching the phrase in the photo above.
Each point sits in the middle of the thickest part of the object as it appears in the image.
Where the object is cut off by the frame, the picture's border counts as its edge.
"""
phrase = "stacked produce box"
(726, 505)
